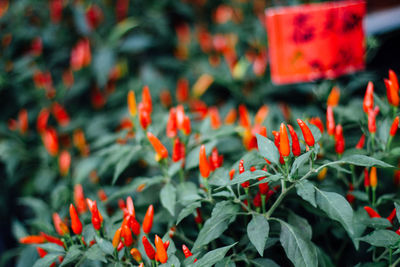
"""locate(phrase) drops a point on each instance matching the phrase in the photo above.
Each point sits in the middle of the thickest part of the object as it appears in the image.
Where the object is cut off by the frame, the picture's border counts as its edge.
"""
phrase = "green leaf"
(298, 248)
(173, 261)
(124, 162)
(246, 176)
(219, 178)
(122, 28)
(264, 262)
(306, 191)
(103, 61)
(73, 254)
(187, 211)
(95, 253)
(377, 223)
(301, 224)
(187, 193)
(222, 215)
(105, 245)
(382, 238)
(168, 198)
(336, 207)
(323, 259)
(267, 149)
(51, 247)
(397, 206)
(299, 161)
(362, 160)
(212, 257)
(46, 261)
(258, 230)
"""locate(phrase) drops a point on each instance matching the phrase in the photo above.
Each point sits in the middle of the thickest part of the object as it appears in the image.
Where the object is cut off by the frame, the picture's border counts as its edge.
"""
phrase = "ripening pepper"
(203, 163)
(334, 96)
(148, 219)
(161, 151)
(261, 114)
(244, 118)
(284, 146)
(373, 178)
(116, 238)
(295, 141)
(369, 98)
(330, 121)
(79, 199)
(59, 225)
(161, 252)
(371, 212)
(132, 103)
(150, 252)
(322, 174)
(339, 140)
(361, 142)
(76, 224)
(64, 162)
(230, 118)
(136, 255)
(307, 134)
(394, 127)
(215, 119)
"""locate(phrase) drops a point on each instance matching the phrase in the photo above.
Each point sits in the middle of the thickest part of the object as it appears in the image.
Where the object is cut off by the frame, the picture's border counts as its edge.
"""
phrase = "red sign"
(313, 41)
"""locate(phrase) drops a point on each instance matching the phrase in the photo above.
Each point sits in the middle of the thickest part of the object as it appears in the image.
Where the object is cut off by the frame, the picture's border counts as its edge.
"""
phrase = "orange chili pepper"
(393, 79)
(160, 250)
(126, 236)
(32, 239)
(116, 238)
(146, 99)
(395, 126)
(50, 141)
(295, 141)
(59, 225)
(284, 146)
(317, 122)
(130, 207)
(334, 96)
(76, 224)
(307, 134)
(373, 177)
(160, 149)
(203, 163)
(52, 239)
(230, 117)
(136, 255)
(64, 162)
(244, 118)
(148, 219)
(231, 174)
(132, 103)
(261, 114)
(79, 198)
(369, 98)
(214, 117)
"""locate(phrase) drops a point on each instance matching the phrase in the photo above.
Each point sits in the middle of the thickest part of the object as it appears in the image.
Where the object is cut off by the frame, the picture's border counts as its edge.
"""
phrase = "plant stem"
(263, 197)
(373, 196)
(181, 175)
(279, 199)
(246, 190)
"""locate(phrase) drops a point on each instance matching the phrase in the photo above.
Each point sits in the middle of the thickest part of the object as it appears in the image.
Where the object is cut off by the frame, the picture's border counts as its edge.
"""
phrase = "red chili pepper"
(116, 238)
(32, 239)
(166, 244)
(371, 212)
(150, 252)
(330, 121)
(244, 118)
(122, 206)
(161, 251)
(146, 99)
(76, 224)
(148, 219)
(187, 129)
(50, 141)
(203, 163)
(393, 79)
(96, 216)
(133, 225)
(261, 114)
(339, 140)
(23, 121)
(180, 116)
(361, 142)
(295, 141)
(42, 253)
(216, 160)
(59, 225)
(182, 90)
(334, 96)
(391, 216)
(369, 97)
(371, 121)
(277, 139)
(165, 98)
(198, 218)
(284, 146)
(171, 128)
(241, 170)
(60, 114)
(178, 151)
(79, 199)
(126, 236)
(160, 149)
(257, 200)
(366, 178)
(130, 207)
(230, 117)
(56, 7)
(307, 134)
(64, 162)
(144, 116)
(214, 117)
(120, 246)
(52, 239)
(395, 126)
(264, 187)
(231, 174)
(318, 123)
(187, 252)
(43, 117)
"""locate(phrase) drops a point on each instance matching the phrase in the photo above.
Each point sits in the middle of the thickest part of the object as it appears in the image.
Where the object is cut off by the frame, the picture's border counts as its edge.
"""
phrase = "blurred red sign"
(313, 41)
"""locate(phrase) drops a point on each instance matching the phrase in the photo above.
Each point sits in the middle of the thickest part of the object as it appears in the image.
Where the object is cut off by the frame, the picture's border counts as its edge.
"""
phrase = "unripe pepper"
(330, 121)
(160, 149)
(148, 219)
(284, 146)
(369, 98)
(373, 177)
(307, 134)
(160, 250)
(150, 252)
(203, 163)
(136, 255)
(76, 224)
(295, 141)
(395, 126)
(132, 103)
(371, 212)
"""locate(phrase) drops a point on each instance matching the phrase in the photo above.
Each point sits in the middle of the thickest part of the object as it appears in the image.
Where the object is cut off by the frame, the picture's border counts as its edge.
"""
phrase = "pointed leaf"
(258, 230)
(306, 191)
(299, 161)
(212, 257)
(382, 238)
(168, 198)
(267, 149)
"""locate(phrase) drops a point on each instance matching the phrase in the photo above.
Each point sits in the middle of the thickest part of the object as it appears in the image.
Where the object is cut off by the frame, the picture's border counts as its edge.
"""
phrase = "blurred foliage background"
(85, 55)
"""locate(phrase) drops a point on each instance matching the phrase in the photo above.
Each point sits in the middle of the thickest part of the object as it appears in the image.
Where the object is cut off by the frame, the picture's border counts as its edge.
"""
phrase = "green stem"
(390, 256)
(389, 142)
(353, 175)
(395, 263)
(263, 197)
(80, 240)
(279, 199)
(181, 175)
(246, 190)
(373, 142)
(373, 196)
(367, 192)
